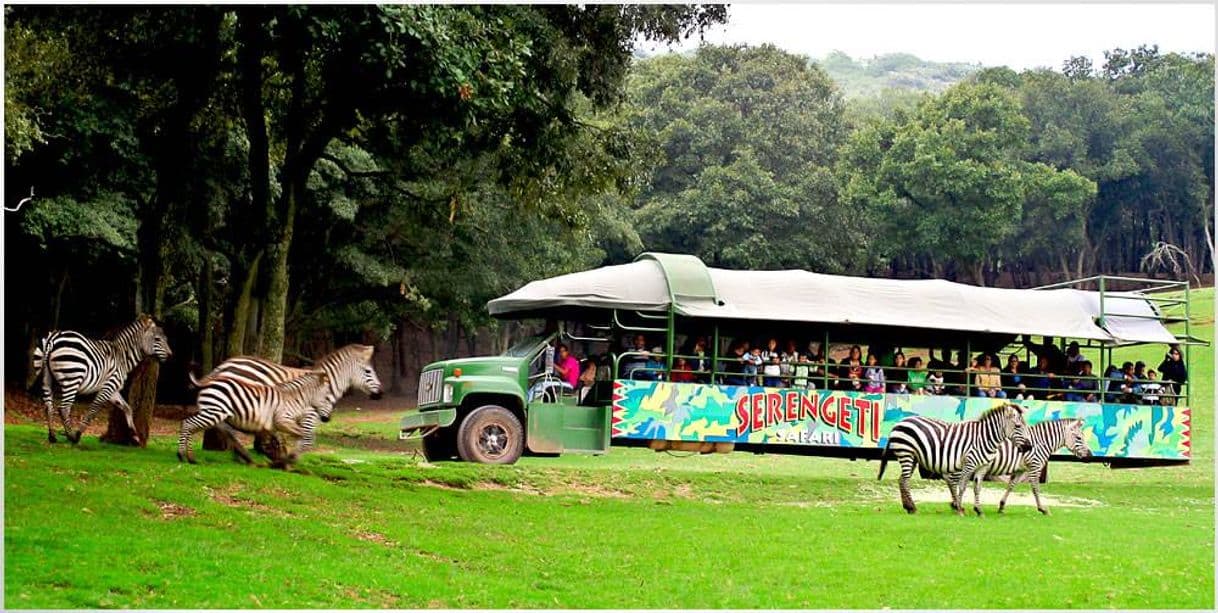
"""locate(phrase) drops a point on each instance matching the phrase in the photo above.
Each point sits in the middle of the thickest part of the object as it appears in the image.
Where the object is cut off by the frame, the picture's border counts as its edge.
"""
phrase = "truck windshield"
(526, 346)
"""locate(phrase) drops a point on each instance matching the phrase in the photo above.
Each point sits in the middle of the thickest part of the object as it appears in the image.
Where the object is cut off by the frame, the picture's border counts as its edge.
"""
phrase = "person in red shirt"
(681, 372)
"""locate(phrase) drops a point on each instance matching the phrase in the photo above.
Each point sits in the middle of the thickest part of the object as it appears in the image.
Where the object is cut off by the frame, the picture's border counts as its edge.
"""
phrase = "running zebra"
(72, 365)
(348, 367)
(232, 404)
(954, 449)
(1047, 437)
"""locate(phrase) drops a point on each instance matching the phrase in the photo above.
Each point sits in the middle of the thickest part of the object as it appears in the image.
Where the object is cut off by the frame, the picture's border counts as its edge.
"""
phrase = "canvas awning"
(651, 283)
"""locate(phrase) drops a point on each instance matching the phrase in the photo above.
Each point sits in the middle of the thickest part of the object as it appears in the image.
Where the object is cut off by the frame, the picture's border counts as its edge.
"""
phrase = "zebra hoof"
(75, 436)
(977, 510)
(1043, 511)
(1001, 509)
(911, 509)
(51, 438)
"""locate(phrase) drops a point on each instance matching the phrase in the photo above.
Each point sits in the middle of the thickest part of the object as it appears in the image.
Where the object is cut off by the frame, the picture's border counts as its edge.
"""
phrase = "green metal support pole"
(672, 337)
(968, 355)
(824, 358)
(1188, 337)
(1101, 321)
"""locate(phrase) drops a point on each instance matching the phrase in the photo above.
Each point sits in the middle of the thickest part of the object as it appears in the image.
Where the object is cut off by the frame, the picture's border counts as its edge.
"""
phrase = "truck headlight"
(448, 392)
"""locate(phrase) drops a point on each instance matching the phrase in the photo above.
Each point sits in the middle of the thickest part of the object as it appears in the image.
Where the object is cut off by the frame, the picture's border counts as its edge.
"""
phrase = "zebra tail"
(884, 460)
(196, 382)
(39, 369)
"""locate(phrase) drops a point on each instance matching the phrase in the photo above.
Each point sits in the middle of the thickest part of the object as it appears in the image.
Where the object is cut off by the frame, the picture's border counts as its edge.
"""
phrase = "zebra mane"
(993, 413)
(353, 350)
(142, 322)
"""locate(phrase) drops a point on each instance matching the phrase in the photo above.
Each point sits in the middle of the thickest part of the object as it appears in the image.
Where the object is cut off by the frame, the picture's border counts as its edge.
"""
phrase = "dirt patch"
(375, 537)
(228, 497)
(171, 510)
(592, 490)
(991, 496)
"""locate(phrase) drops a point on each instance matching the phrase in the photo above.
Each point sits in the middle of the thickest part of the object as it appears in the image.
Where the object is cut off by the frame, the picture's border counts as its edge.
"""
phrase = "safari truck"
(683, 386)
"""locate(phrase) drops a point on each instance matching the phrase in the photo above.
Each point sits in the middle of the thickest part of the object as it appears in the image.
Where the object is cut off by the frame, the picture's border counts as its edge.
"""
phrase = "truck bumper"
(418, 424)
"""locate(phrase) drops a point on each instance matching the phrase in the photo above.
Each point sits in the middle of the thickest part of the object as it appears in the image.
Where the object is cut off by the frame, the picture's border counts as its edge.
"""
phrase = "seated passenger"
(1151, 388)
(1039, 380)
(773, 371)
(736, 363)
(1054, 358)
(681, 372)
(1085, 388)
(988, 380)
(790, 356)
(654, 368)
(1173, 371)
(917, 376)
(635, 361)
(850, 370)
(875, 375)
(934, 384)
(752, 366)
(566, 375)
(1074, 359)
(899, 379)
(801, 372)
(771, 348)
(1012, 378)
(1113, 379)
(701, 361)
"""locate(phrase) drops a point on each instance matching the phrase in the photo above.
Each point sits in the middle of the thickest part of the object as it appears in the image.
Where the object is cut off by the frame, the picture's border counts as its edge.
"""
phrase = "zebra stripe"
(953, 449)
(1046, 437)
(349, 367)
(71, 364)
(232, 404)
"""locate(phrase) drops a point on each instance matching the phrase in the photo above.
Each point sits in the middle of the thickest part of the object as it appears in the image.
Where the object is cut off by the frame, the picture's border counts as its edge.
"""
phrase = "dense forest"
(273, 180)
(891, 73)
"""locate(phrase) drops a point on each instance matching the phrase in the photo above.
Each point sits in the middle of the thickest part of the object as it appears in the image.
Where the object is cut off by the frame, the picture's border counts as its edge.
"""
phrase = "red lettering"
(792, 406)
(828, 412)
(807, 406)
(773, 413)
(845, 421)
(863, 406)
(877, 416)
(742, 415)
(758, 408)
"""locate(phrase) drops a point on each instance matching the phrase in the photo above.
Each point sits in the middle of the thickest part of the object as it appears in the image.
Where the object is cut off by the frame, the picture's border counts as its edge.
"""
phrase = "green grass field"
(360, 525)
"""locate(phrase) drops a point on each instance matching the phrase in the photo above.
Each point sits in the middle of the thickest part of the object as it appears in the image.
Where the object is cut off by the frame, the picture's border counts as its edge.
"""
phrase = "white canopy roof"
(799, 295)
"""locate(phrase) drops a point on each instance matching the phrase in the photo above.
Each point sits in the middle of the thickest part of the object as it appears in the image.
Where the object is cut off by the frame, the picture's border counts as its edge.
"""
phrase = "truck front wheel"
(490, 435)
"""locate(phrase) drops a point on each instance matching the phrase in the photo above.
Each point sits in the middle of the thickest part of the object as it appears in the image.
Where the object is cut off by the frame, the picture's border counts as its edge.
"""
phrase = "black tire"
(440, 445)
(490, 434)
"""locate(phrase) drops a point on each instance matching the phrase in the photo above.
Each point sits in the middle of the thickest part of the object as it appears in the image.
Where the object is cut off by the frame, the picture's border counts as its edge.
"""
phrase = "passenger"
(736, 364)
(988, 379)
(565, 379)
(681, 372)
(960, 373)
(752, 366)
(1040, 378)
(1055, 359)
(800, 372)
(1012, 378)
(771, 348)
(1174, 372)
(851, 369)
(790, 356)
(934, 383)
(941, 363)
(772, 371)
(1139, 370)
(1113, 379)
(655, 365)
(823, 368)
(917, 376)
(1074, 359)
(701, 362)
(875, 375)
(899, 380)
(1085, 388)
(637, 360)
(1127, 383)
(1151, 389)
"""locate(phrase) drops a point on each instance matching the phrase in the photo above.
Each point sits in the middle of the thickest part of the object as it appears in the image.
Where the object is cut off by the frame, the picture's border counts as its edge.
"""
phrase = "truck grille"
(431, 382)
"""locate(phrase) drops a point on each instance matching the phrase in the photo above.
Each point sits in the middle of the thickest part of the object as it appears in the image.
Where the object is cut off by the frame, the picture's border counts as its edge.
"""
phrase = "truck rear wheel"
(490, 435)
(440, 445)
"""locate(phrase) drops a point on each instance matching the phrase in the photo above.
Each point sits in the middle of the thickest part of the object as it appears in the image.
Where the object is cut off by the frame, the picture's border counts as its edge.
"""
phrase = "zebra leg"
(308, 424)
(977, 493)
(66, 399)
(48, 401)
(1011, 483)
(192, 424)
(1034, 479)
(105, 396)
(907, 468)
(956, 484)
(238, 448)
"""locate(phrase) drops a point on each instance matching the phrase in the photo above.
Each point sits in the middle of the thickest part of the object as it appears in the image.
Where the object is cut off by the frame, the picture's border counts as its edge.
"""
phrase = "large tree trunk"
(142, 398)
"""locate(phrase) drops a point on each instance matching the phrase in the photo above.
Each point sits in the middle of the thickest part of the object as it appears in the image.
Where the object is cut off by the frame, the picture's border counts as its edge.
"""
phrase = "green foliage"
(867, 78)
(103, 223)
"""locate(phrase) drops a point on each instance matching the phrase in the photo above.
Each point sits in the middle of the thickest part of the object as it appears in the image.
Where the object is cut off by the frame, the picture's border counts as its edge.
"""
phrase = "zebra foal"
(348, 367)
(1046, 437)
(71, 364)
(231, 405)
(953, 449)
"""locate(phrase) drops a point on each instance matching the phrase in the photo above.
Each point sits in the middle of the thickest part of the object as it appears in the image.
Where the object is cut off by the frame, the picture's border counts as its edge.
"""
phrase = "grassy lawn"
(362, 524)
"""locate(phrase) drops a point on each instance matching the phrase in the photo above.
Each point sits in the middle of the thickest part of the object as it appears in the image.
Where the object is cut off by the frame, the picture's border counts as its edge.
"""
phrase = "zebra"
(954, 449)
(233, 404)
(1046, 437)
(71, 364)
(348, 367)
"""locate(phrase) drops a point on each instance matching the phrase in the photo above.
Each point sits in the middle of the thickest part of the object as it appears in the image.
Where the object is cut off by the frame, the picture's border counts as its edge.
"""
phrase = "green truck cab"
(479, 409)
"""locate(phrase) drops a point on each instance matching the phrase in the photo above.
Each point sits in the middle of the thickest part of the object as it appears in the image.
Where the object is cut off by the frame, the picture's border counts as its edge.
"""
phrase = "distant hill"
(863, 78)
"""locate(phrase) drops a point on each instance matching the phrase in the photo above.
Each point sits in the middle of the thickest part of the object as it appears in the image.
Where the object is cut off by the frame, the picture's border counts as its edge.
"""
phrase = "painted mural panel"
(754, 414)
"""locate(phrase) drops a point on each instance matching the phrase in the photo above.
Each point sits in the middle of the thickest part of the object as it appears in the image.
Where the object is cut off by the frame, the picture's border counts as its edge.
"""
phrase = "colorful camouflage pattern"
(754, 414)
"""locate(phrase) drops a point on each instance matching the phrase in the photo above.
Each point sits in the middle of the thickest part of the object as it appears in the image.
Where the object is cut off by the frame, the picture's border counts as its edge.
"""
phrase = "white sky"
(1016, 35)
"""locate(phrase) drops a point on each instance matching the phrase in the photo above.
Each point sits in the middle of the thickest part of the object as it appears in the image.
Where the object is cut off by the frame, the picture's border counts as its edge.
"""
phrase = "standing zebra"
(71, 365)
(1046, 437)
(953, 449)
(348, 367)
(232, 404)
